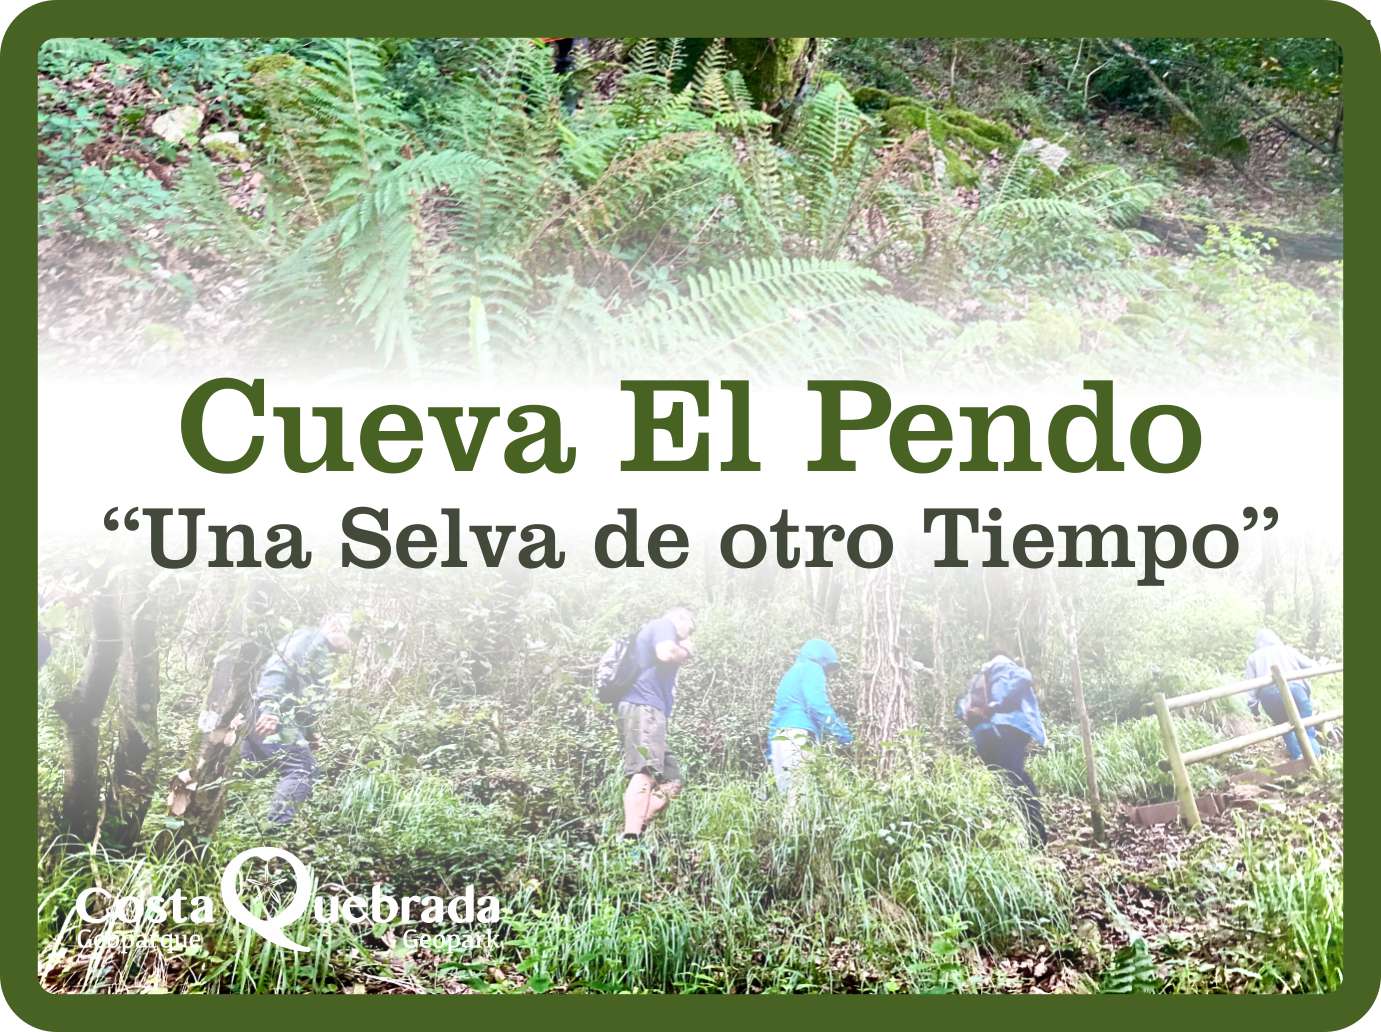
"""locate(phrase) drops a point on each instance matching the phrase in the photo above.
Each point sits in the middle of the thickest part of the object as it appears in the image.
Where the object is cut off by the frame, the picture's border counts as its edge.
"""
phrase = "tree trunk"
(776, 69)
(1070, 626)
(886, 704)
(81, 713)
(938, 662)
(136, 753)
(1316, 604)
(1268, 581)
(197, 795)
(825, 595)
(1086, 733)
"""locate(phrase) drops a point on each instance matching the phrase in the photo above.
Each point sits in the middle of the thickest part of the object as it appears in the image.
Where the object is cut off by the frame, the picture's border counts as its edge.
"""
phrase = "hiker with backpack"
(638, 677)
(291, 690)
(802, 714)
(1004, 718)
(1269, 651)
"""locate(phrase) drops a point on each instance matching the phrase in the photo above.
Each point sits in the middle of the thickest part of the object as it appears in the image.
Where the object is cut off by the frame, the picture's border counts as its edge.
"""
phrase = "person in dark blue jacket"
(1004, 718)
(802, 713)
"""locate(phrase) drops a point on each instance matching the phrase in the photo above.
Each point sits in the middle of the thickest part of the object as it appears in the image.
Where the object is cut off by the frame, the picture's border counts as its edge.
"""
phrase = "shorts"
(643, 737)
(789, 747)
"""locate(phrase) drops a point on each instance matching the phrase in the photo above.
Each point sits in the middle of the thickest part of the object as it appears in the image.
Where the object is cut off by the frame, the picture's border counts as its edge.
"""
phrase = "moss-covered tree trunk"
(196, 796)
(776, 69)
(80, 711)
(132, 785)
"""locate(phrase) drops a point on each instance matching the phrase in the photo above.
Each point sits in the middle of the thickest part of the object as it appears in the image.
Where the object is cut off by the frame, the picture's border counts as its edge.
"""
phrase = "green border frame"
(18, 424)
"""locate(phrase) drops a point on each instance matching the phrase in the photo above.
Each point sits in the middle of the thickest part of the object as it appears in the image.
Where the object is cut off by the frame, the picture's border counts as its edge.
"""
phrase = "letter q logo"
(270, 927)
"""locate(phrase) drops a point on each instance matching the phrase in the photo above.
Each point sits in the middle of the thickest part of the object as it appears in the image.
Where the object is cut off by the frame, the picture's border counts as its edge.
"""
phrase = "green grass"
(863, 884)
(747, 894)
(1294, 905)
(1128, 759)
(1273, 892)
(905, 882)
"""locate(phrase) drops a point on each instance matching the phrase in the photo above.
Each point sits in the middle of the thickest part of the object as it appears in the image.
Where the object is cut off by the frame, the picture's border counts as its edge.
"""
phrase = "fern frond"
(774, 314)
(1132, 970)
(456, 286)
(707, 79)
(212, 219)
(360, 125)
(61, 52)
(832, 146)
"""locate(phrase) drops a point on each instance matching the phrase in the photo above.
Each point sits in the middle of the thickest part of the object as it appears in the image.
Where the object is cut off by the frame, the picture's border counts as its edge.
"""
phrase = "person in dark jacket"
(1004, 718)
(802, 713)
(292, 688)
(564, 64)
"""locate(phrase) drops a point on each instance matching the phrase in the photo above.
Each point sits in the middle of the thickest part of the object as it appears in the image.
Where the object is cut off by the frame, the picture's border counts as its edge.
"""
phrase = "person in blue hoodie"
(1004, 718)
(802, 714)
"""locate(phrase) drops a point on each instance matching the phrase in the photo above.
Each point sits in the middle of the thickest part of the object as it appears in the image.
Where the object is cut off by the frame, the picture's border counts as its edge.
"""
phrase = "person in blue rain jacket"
(802, 714)
(1004, 719)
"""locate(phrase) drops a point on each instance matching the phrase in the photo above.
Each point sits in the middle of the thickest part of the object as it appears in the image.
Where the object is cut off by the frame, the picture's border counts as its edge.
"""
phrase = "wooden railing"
(1178, 762)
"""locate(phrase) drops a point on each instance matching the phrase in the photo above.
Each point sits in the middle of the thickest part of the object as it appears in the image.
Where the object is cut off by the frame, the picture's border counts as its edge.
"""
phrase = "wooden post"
(1189, 809)
(1265, 734)
(1287, 699)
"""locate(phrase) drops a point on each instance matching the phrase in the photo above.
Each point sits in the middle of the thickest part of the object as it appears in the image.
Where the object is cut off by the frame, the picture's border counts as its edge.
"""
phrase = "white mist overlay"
(104, 446)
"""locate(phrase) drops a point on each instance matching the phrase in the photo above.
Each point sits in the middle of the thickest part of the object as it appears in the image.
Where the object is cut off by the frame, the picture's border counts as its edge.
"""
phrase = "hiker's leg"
(1275, 710)
(642, 730)
(1306, 709)
(298, 768)
(563, 62)
(1013, 746)
(256, 757)
(660, 796)
(637, 803)
(786, 757)
(1031, 800)
(989, 748)
(668, 786)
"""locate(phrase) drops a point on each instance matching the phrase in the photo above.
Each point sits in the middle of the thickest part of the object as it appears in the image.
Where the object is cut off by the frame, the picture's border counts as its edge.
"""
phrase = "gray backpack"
(616, 670)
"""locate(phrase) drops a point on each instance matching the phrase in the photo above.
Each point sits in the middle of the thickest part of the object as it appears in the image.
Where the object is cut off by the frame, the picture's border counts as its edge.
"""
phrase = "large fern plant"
(460, 229)
(1067, 228)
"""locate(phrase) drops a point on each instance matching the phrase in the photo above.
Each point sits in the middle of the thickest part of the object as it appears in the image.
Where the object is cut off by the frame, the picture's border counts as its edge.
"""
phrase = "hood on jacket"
(1000, 659)
(1266, 639)
(817, 650)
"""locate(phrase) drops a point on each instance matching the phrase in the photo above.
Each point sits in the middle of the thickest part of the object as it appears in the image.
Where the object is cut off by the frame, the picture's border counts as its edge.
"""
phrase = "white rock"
(226, 144)
(1051, 155)
(177, 125)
